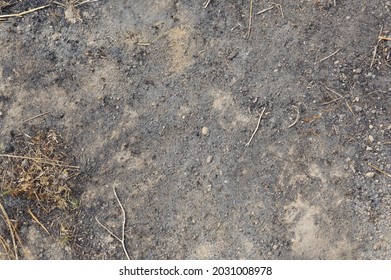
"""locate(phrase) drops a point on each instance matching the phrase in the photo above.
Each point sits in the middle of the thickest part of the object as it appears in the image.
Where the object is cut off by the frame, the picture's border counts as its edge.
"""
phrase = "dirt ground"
(159, 99)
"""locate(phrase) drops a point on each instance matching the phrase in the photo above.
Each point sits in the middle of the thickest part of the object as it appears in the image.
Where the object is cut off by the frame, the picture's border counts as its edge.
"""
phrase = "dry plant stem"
(339, 95)
(375, 50)
(332, 101)
(37, 116)
(206, 4)
(11, 229)
(265, 10)
(379, 170)
(384, 38)
(24, 13)
(60, 4)
(122, 239)
(250, 20)
(256, 129)
(38, 222)
(327, 57)
(280, 8)
(123, 224)
(85, 2)
(41, 160)
(109, 231)
(6, 247)
(297, 117)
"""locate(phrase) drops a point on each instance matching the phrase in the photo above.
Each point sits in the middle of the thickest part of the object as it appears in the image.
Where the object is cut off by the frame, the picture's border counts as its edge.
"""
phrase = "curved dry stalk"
(122, 239)
(256, 129)
(297, 117)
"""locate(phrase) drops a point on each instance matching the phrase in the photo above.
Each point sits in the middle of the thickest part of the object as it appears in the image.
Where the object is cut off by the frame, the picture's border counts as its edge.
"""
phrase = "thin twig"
(346, 102)
(297, 116)
(280, 8)
(206, 4)
(256, 129)
(375, 50)
(122, 239)
(123, 224)
(384, 38)
(323, 59)
(85, 2)
(24, 13)
(38, 222)
(109, 231)
(250, 20)
(331, 101)
(7, 220)
(265, 10)
(37, 116)
(41, 160)
(379, 170)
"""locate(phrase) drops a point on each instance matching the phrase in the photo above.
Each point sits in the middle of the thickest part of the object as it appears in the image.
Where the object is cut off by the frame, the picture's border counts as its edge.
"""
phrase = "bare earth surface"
(159, 98)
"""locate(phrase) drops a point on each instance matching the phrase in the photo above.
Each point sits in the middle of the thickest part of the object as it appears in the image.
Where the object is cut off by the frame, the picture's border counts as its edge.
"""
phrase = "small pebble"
(370, 174)
(232, 55)
(275, 246)
(370, 126)
(370, 138)
(209, 159)
(369, 149)
(357, 108)
(205, 130)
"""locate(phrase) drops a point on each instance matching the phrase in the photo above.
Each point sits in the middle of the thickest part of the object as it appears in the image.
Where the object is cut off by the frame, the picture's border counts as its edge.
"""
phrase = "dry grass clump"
(37, 173)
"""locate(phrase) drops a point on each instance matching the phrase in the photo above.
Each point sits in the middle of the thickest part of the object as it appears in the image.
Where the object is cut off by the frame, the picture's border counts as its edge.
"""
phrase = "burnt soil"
(159, 98)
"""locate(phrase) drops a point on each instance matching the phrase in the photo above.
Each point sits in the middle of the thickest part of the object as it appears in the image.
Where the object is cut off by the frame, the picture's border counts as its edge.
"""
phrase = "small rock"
(275, 247)
(232, 55)
(370, 138)
(351, 151)
(370, 126)
(357, 108)
(209, 159)
(369, 148)
(205, 131)
(370, 174)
